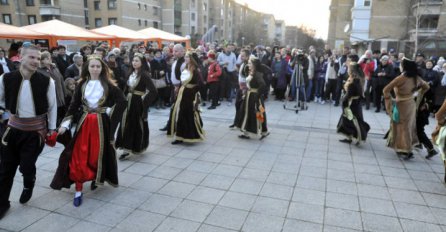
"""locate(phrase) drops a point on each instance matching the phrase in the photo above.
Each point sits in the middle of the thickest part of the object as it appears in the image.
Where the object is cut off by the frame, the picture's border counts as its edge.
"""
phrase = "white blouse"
(133, 79)
(185, 75)
(93, 93)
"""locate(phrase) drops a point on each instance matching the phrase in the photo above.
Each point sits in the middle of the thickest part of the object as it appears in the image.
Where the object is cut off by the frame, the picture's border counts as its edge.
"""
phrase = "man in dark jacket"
(62, 59)
(6, 64)
(74, 69)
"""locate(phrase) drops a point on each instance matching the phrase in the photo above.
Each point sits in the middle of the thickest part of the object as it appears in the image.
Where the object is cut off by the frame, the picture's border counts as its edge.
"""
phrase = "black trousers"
(330, 88)
(421, 120)
(238, 104)
(22, 149)
(378, 92)
(214, 92)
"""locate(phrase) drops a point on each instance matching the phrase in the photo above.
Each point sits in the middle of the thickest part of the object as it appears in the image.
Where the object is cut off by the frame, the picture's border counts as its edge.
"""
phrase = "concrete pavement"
(300, 178)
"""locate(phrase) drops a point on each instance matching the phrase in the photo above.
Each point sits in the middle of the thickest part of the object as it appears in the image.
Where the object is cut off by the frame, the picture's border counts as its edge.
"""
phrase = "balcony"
(49, 10)
(428, 7)
(423, 32)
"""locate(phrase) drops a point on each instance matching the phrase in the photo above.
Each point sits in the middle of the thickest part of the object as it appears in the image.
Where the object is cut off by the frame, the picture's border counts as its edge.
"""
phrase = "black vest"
(39, 86)
(177, 70)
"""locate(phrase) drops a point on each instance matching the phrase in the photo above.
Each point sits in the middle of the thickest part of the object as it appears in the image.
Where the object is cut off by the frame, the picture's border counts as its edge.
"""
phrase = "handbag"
(159, 83)
(395, 113)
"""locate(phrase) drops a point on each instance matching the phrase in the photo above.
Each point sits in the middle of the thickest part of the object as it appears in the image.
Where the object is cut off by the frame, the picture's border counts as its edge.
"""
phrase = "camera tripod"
(297, 82)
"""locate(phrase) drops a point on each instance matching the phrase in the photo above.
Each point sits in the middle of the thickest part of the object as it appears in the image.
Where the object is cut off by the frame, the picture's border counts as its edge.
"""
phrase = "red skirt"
(84, 158)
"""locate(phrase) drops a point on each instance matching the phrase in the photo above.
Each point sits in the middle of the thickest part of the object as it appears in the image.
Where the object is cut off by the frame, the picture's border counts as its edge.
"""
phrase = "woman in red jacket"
(214, 73)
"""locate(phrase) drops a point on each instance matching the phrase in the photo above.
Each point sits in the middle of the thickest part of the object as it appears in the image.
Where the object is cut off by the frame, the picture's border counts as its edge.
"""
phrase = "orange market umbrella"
(159, 35)
(121, 33)
(58, 30)
(13, 32)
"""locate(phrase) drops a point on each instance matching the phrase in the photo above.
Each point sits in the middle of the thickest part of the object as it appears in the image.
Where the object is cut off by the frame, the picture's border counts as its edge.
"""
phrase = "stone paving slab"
(300, 178)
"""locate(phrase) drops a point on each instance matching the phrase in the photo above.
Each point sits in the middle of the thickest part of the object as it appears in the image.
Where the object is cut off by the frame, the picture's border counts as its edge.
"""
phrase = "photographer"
(331, 78)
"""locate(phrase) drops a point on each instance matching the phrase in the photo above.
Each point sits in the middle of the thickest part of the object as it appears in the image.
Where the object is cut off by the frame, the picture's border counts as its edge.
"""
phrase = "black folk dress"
(185, 120)
(352, 124)
(133, 133)
(252, 120)
(109, 112)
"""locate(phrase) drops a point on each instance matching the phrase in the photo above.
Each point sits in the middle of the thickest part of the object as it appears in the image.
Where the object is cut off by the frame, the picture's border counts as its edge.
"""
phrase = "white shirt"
(5, 65)
(241, 78)
(25, 102)
(173, 77)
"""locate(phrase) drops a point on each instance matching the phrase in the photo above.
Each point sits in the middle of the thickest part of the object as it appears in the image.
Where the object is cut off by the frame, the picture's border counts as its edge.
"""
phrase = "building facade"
(407, 26)
(183, 17)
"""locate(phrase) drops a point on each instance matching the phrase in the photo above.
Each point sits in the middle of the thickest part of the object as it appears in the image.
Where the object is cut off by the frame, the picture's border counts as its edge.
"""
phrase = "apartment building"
(183, 17)
(405, 25)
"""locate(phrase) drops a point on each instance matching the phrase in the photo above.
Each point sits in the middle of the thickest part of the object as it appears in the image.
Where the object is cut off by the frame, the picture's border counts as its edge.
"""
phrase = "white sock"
(77, 194)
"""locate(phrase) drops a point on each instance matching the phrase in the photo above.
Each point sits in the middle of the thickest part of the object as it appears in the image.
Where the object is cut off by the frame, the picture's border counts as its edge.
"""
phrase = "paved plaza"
(300, 178)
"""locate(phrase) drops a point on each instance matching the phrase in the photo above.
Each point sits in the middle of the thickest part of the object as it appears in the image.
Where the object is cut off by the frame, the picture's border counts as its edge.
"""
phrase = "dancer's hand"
(62, 130)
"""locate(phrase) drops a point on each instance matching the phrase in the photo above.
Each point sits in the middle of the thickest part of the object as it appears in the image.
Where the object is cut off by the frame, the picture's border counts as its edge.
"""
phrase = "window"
(87, 20)
(155, 10)
(112, 21)
(32, 19)
(4, 2)
(155, 24)
(98, 22)
(45, 2)
(85, 3)
(145, 23)
(97, 5)
(139, 22)
(205, 6)
(139, 6)
(192, 3)
(429, 22)
(205, 30)
(29, 2)
(7, 18)
(192, 30)
(205, 19)
(367, 2)
(192, 16)
(112, 4)
(145, 7)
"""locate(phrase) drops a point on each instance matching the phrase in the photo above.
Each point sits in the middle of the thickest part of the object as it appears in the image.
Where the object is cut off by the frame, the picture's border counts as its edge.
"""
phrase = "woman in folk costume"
(439, 134)
(402, 135)
(186, 124)
(253, 115)
(90, 156)
(352, 124)
(133, 133)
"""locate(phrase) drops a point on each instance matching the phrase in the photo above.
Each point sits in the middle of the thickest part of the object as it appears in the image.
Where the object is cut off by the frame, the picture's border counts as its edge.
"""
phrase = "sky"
(311, 13)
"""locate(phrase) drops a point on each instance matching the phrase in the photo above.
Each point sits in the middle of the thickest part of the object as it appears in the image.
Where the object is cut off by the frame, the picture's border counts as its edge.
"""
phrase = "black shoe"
(232, 126)
(336, 104)
(377, 110)
(177, 142)
(419, 146)
(212, 107)
(345, 141)
(367, 107)
(93, 186)
(3, 210)
(27, 193)
(203, 104)
(77, 201)
(431, 153)
(124, 156)
(164, 128)
(243, 137)
(264, 136)
(408, 156)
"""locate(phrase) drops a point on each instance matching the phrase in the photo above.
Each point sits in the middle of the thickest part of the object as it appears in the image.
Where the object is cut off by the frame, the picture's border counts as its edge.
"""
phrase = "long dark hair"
(356, 70)
(105, 76)
(144, 66)
(410, 70)
(256, 64)
(193, 61)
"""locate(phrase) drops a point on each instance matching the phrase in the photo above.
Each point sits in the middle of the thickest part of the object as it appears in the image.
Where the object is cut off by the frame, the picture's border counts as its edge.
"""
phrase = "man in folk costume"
(30, 98)
(243, 88)
(177, 67)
